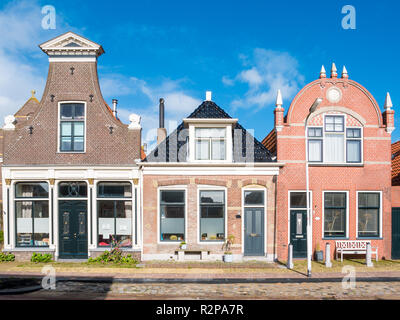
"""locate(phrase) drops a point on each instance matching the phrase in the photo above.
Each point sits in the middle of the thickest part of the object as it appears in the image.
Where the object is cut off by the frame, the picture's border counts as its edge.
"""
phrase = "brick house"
(396, 200)
(340, 126)
(70, 183)
(210, 179)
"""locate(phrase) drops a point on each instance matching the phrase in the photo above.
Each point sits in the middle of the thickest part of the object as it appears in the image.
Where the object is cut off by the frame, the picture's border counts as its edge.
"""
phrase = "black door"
(298, 233)
(73, 229)
(395, 233)
(253, 231)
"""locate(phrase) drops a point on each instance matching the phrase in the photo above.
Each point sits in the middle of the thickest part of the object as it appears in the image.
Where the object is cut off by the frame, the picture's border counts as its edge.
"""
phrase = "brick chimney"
(278, 112)
(161, 131)
(388, 114)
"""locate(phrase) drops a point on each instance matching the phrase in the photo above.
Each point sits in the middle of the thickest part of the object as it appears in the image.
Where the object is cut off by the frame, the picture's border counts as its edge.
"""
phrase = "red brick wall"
(234, 205)
(374, 175)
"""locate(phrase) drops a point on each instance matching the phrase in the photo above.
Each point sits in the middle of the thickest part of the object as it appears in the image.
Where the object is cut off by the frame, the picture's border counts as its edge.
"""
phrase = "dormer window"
(72, 127)
(334, 143)
(210, 143)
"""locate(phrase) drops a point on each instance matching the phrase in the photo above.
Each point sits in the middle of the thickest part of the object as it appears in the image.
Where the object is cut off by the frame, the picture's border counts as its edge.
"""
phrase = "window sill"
(369, 238)
(68, 152)
(31, 249)
(324, 164)
(335, 238)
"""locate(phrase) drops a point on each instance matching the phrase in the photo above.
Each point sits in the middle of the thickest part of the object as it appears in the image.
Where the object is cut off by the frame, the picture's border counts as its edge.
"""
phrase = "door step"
(72, 260)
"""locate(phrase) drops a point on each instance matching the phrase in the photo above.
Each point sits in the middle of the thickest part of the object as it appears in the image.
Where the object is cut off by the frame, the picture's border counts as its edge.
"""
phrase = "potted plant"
(319, 254)
(228, 256)
(183, 245)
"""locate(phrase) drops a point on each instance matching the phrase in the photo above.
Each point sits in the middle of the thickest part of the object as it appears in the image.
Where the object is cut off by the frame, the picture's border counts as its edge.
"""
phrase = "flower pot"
(228, 257)
(319, 255)
(183, 246)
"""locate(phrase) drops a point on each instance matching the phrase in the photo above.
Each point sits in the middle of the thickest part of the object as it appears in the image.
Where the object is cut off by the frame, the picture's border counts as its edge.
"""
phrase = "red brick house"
(69, 180)
(209, 180)
(347, 140)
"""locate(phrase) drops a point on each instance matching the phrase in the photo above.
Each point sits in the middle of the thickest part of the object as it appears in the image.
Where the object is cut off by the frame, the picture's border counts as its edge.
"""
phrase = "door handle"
(253, 234)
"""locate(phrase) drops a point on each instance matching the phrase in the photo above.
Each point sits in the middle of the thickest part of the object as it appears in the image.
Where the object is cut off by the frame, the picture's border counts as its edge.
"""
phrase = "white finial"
(344, 72)
(208, 95)
(279, 102)
(135, 121)
(388, 102)
(333, 70)
(322, 73)
(9, 122)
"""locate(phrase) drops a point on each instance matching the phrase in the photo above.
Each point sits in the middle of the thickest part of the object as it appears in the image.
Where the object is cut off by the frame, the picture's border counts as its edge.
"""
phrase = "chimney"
(114, 103)
(388, 114)
(208, 95)
(161, 131)
(279, 111)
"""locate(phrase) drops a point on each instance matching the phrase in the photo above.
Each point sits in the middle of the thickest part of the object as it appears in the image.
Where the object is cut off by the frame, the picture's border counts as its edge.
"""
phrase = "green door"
(298, 233)
(395, 233)
(73, 230)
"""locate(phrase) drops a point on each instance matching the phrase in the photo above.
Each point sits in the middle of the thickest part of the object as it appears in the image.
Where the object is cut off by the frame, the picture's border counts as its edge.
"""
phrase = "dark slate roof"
(174, 147)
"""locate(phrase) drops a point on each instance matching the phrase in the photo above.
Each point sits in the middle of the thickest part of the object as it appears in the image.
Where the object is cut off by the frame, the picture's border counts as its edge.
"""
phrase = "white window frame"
(265, 206)
(59, 127)
(96, 222)
(228, 141)
(380, 214)
(13, 228)
(212, 188)
(305, 208)
(345, 163)
(169, 188)
(347, 214)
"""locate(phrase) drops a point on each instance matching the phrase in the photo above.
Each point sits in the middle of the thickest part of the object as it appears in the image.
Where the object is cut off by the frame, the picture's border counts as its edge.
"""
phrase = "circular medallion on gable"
(333, 94)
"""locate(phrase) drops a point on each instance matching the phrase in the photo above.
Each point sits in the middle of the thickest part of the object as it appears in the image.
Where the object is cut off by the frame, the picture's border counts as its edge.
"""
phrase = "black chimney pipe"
(161, 113)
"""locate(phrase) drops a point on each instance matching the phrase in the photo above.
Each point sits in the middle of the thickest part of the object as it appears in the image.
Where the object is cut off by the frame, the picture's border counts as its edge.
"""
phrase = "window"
(32, 214)
(368, 214)
(212, 215)
(315, 144)
(335, 204)
(353, 145)
(298, 200)
(334, 143)
(72, 123)
(252, 198)
(114, 215)
(210, 143)
(172, 215)
(72, 190)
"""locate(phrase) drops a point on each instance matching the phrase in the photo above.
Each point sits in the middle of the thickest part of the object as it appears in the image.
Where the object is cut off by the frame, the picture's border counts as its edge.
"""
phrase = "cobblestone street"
(303, 290)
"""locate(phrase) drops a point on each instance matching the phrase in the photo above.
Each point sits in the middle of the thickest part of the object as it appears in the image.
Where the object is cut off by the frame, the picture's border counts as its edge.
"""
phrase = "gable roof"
(27, 110)
(70, 43)
(270, 142)
(175, 144)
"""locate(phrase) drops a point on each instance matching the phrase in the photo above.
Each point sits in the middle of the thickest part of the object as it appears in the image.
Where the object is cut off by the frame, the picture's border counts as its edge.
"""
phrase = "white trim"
(208, 124)
(210, 121)
(380, 213)
(95, 214)
(208, 165)
(264, 206)
(212, 188)
(219, 171)
(73, 59)
(59, 126)
(347, 214)
(166, 188)
(304, 209)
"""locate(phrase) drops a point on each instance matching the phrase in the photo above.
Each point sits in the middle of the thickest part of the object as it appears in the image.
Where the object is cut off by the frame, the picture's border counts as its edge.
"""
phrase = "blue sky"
(242, 51)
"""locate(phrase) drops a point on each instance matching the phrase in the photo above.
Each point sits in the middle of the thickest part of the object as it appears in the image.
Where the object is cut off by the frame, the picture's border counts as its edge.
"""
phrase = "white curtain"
(353, 151)
(314, 150)
(334, 147)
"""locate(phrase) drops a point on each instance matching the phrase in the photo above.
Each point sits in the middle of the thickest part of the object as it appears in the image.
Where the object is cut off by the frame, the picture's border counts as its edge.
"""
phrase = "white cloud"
(178, 102)
(21, 70)
(265, 72)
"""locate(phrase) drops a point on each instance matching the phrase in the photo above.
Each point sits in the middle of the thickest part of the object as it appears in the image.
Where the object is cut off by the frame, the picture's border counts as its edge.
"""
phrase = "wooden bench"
(181, 253)
(354, 247)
